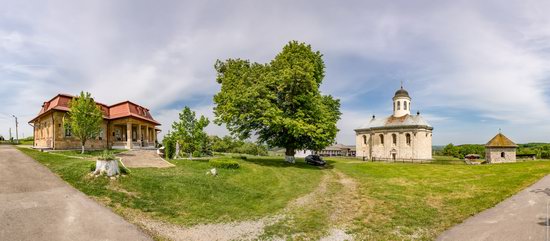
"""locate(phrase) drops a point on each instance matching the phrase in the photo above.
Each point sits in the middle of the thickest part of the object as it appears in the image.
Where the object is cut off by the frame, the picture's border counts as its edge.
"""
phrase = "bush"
(169, 147)
(197, 154)
(92, 167)
(239, 157)
(224, 163)
(106, 156)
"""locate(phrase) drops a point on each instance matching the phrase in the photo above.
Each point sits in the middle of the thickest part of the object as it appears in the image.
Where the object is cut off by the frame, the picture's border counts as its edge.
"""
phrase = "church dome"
(401, 93)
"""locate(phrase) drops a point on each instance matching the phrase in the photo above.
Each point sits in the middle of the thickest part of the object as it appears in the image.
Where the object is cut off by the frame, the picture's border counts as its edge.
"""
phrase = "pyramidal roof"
(500, 141)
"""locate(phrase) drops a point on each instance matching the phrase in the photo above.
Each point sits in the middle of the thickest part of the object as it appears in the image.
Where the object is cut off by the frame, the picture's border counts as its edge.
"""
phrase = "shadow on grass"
(281, 163)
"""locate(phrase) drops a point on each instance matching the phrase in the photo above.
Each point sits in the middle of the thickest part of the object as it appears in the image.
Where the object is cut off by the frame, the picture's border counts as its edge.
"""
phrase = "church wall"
(419, 148)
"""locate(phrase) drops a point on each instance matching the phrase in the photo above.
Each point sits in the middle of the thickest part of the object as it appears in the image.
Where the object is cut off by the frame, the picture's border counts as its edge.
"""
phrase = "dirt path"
(337, 192)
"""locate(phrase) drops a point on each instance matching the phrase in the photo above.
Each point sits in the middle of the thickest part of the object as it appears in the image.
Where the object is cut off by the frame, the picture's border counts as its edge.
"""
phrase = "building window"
(408, 137)
(381, 139)
(394, 139)
(404, 105)
(68, 131)
(364, 139)
(398, 105)
(502, 155)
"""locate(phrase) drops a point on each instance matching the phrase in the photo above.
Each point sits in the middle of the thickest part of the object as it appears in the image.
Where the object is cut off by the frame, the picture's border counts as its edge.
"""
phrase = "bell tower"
(401, 103)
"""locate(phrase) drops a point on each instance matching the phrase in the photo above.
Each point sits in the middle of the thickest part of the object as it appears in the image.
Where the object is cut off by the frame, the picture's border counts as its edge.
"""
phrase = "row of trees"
(189, 135)
(228, 144)
(541, 150)
(461, 150)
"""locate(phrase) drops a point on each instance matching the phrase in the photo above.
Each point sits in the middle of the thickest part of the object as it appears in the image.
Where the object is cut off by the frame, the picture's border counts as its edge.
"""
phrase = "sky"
(471, 67)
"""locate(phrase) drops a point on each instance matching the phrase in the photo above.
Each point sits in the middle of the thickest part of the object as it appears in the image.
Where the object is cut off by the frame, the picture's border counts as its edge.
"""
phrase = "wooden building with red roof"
(126, 125)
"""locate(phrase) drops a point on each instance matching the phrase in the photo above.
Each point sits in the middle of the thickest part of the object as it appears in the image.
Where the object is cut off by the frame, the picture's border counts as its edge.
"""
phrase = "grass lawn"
(87, 154)
(373, 201)
(185, 195)
(419, 201)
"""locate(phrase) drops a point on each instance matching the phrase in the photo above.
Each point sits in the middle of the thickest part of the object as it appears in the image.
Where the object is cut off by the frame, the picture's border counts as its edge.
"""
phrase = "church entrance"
(393, 154)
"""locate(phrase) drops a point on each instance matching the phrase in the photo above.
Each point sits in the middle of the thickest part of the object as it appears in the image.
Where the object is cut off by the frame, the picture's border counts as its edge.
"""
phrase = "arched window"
(502, 155)
(408, 137)
(404, 105)
(398, 105)
(364, 139)
(381, 139)
(394, 139)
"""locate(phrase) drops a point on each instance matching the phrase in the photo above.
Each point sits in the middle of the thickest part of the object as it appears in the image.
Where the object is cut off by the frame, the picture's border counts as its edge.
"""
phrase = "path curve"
(35, 204)
(523, 216)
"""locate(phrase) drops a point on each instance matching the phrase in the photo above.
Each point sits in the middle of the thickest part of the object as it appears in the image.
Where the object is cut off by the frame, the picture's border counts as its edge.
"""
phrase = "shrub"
(197, 154)
(92, 167)
(224, 163)
(107, 156)
(239, 157)
(169, 147)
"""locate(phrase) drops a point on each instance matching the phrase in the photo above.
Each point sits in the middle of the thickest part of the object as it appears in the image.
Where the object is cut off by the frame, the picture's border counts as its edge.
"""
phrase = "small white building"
(500, 149)
(400, 136)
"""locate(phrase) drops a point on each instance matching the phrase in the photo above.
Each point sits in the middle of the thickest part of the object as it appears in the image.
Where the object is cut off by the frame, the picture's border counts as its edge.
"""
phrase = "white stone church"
(401, 136)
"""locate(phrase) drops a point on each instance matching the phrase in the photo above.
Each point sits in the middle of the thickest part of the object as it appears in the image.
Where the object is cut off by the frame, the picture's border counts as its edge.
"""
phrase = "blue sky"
(471, 67)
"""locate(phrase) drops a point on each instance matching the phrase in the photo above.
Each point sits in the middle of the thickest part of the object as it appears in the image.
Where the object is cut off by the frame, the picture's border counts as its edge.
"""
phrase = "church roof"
(401, 93)
(396, 122)
(500, 141)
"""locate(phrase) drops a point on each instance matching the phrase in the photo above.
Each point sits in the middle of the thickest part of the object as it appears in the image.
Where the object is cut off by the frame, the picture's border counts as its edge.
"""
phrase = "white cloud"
(487, 58)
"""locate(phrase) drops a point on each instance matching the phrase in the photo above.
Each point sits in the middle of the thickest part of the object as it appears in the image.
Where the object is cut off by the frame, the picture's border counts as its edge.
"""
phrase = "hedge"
(224, 163)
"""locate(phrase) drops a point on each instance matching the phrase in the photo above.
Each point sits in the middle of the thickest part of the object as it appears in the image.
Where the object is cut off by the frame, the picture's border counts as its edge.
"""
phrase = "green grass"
(185, 195)
(419, 201)
(87, 154)
(396, 201)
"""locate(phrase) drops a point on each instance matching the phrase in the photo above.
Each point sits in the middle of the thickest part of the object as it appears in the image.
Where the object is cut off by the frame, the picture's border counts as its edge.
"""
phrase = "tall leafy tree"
(84, 118)
(189, 132)
(280, 102)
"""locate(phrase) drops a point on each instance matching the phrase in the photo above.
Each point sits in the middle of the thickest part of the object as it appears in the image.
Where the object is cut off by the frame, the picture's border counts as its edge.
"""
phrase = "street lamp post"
(16, 130)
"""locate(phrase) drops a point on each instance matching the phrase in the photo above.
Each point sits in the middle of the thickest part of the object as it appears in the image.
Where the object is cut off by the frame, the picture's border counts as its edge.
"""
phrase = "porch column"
(139, 135)
(147, 135)
(128, 135)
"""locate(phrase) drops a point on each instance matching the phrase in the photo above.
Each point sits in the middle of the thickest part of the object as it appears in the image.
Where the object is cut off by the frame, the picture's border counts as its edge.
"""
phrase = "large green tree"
(189, 133)
(84, 118)
(279, 102)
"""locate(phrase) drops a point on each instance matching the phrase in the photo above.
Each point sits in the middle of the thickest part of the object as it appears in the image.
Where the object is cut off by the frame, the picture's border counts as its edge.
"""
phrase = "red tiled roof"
(116, 111)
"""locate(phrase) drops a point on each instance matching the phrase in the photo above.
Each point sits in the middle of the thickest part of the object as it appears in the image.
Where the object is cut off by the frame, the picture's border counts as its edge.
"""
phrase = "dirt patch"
(336, 192)
(245, 230)
(311, 197)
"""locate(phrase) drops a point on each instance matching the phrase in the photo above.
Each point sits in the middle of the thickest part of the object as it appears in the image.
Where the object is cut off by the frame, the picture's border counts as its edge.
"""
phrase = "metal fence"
(399, 160)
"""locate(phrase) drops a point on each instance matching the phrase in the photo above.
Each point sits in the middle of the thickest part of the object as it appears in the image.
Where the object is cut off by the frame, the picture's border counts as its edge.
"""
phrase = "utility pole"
(16, 130)
(10, 135)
